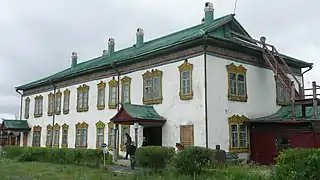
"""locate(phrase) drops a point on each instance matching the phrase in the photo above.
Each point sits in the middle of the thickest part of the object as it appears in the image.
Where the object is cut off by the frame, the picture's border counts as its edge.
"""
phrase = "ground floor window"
(111, 136)
(186, 135)
(49, 136)
(65, 129)
(100, 126)
(36, 137)
(56, 135)
(81, 135)
(238, 133)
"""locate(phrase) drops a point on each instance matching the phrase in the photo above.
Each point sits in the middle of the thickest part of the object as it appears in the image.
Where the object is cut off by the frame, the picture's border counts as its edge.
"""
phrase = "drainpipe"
(54, 111)
(20, 116)
(116, 142)
(205, 89)
(310, 67)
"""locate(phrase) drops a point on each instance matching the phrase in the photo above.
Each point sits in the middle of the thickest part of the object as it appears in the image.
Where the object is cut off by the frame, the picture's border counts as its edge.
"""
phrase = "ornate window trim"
(125, 81)
(81, 126)
(185, 67)
(56, 136)
(65, 127)
(238, 70)
(112, 84)
(100, 125)
(36, 129)
(85, 105)
(151, 75)
(49, 134)
(26, 108)
(50, 105)
(110, 128)
(38, 101)
(123, 127)
(66, 102)
(101, 85)
(238, 120)
(58, 102)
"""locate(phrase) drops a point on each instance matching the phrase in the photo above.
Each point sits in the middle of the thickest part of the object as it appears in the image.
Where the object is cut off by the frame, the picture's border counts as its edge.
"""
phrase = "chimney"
(74, 59)
(111, 44)
(139, 34)
(104, 52)
(209, 15)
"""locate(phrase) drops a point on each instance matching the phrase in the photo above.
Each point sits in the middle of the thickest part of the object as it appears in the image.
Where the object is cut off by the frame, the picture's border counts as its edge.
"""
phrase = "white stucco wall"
(176, 112)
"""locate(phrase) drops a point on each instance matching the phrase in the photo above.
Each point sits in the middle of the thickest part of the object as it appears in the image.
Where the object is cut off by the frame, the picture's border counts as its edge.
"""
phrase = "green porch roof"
(142, 112)
(149, 47)
(18, 125)
(285, 113)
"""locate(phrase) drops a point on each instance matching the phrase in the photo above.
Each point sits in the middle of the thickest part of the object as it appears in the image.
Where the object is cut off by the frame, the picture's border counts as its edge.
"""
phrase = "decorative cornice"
(82, 125)
(236, 119)
(37, 128)
(100, 124)
(65, 126)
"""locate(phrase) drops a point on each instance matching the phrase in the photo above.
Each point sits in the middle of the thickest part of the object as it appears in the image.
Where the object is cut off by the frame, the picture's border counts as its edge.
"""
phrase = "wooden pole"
(293, 96)
(315, 105)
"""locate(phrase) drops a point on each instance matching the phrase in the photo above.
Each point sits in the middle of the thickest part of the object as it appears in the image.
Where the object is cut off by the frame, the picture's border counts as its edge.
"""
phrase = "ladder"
(273, 58)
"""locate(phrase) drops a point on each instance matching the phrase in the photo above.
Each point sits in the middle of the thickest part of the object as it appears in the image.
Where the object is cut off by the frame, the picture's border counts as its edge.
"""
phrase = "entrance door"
(186, 135)
(153, 135)
(25, 139)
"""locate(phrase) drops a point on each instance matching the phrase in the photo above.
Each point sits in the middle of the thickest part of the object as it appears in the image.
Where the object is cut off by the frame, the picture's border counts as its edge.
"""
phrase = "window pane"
(101, 94)
(66, 102)
(186, 75)
(156, 88)
(85, 99)
(148, 89)
(125, 93)
(84, 137)
(241, 84)
(233, 84)
(80, 99)
(243, 136)
(234, 136)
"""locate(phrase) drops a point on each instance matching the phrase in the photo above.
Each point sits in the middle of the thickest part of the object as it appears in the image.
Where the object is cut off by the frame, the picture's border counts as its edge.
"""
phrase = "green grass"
(12, 170)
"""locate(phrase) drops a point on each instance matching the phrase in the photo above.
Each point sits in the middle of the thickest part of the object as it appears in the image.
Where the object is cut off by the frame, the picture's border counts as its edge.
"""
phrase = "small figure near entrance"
(128, 143)
(131, 150)
(144, 142)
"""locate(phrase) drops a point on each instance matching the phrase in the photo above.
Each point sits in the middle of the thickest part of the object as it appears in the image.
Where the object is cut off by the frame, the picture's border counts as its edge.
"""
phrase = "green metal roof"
(15, 124)
(149, 47)
(142, 112)
(285, 113)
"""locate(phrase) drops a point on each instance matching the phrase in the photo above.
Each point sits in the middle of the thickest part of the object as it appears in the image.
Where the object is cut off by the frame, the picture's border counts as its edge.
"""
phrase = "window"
(185, 70)
(111, 136)
(152, 87)
(81, 135)
(113, 94)
(26, 108)
(283, 94)
(58, 103)
(49, 136)
(101, 95)
(186, 135)
(65, 129)
(125, 89)
(66, 101)
(36, 137)
(82, 98)
(237, 85)
(50, 104)
(100, 134)
(238, 133)
(56, 135)
(38, 106)
(124, 129)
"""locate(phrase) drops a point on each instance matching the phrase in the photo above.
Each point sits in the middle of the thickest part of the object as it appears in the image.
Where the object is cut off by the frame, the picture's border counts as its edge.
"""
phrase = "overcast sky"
(38, 36)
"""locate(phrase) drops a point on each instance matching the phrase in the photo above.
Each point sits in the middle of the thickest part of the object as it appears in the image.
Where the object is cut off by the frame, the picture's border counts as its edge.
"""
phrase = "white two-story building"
(197, 86)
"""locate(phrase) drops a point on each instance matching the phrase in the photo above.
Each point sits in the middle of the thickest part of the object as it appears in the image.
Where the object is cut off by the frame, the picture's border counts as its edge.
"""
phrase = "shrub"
(192, 160)
(87, 157)
(154, 157)
(298, 164)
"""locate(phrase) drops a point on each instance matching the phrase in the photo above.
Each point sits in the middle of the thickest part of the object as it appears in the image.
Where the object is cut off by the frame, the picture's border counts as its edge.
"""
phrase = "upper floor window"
(152, 87)
(283, 94)
(81, 135)
(26, 108)
(185, 70)
(66, 101)
(100, 126)
(113, 93)
(58, 102)
(50, 104)
(237, 85)
(101, 95)
(36, 136)
(125, 89)
(82, 98)
(38, 102)
(238, 133)
(65, 129)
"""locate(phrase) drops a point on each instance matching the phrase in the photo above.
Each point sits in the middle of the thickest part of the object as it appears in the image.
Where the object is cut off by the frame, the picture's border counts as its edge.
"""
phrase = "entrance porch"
(11, 131)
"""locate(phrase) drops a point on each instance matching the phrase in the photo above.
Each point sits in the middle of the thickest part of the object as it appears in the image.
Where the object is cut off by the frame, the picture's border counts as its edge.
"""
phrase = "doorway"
(153, 135)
